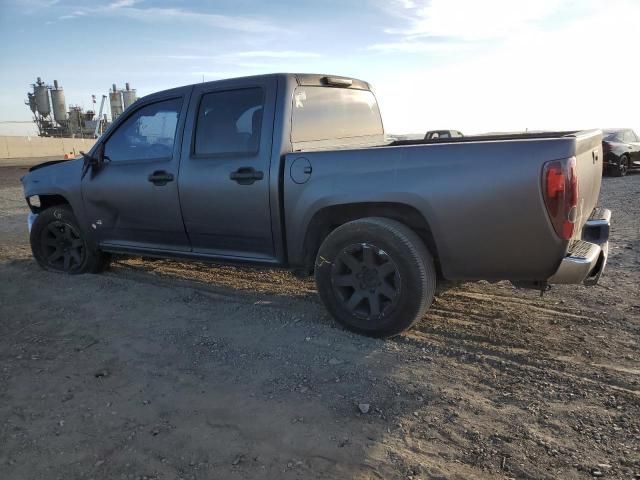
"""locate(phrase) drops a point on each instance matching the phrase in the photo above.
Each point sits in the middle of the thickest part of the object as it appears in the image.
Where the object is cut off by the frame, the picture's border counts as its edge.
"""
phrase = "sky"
(471, 65)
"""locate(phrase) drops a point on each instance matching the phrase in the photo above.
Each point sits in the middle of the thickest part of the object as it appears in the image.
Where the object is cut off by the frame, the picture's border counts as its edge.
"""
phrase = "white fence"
(27, 147)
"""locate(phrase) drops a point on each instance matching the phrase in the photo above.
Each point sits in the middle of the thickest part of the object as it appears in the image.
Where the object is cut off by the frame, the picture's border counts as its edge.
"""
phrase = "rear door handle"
(160, 178)
(246, 175)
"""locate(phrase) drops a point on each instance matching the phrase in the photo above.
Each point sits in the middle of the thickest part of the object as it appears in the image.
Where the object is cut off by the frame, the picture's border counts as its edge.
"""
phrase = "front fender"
(63, 179)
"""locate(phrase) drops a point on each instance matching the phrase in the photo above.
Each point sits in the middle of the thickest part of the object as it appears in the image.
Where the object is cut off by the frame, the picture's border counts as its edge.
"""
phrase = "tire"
(621, 169)
(375, 276)
(59, 245)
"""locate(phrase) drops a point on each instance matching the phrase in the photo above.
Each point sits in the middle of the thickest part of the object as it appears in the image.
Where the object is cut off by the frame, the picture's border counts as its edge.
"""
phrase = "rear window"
(326, 113)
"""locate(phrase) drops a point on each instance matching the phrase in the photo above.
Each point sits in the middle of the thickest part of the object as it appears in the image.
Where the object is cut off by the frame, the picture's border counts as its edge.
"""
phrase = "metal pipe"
(99, 122)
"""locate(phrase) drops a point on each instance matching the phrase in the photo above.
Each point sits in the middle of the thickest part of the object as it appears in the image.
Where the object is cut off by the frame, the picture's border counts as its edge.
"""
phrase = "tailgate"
(588, 153)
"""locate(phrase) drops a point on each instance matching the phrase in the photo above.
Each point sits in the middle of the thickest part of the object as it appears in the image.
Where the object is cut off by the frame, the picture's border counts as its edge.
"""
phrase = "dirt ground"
(166, 370)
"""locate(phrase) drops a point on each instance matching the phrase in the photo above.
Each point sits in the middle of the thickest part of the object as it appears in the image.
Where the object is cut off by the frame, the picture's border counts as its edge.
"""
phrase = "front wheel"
(58, 244)
(375, 276)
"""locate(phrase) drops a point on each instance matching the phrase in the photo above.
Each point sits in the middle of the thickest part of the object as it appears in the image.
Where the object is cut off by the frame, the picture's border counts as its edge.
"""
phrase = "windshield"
(611, 134)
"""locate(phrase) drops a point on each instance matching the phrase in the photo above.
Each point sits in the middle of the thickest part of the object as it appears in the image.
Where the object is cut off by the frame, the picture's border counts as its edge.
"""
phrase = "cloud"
(279, 54)
(470, 19)
(75, 14)
(275, 54)
(30, 7)
(415, 46)
(128, 9)
(123, 3)
(548, 78)
(187, 57)
(226, 22)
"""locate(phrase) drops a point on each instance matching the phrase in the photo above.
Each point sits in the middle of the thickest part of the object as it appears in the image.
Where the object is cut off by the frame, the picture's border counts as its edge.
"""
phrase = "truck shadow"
(202, 380)
(225, 279)
(233, 373)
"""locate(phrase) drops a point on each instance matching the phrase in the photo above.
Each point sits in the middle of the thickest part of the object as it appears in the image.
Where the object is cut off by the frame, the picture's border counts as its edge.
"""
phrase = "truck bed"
(481, 196)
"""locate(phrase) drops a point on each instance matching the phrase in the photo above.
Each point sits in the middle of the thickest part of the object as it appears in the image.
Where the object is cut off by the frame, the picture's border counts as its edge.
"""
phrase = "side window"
(148, 134)
(229, 123)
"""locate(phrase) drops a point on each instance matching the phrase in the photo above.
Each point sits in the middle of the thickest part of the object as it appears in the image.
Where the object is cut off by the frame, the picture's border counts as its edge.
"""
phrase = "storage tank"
(41, 92)
(75, 119)
(115, 100)
(128, 96)
(59, 104)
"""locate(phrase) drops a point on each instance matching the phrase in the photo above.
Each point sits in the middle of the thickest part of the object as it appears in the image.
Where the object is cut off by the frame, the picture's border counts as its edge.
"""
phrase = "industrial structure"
(48, 105)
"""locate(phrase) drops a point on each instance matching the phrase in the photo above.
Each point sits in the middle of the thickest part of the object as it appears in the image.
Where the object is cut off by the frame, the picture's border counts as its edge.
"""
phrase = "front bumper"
(586, 258)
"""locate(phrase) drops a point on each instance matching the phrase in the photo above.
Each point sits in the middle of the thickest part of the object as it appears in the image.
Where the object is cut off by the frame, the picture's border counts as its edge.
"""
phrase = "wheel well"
(329, 218)
(45, 201)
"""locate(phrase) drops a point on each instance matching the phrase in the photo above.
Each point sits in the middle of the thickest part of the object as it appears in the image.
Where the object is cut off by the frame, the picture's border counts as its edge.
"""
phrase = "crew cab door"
(132, 199)
(224, 171)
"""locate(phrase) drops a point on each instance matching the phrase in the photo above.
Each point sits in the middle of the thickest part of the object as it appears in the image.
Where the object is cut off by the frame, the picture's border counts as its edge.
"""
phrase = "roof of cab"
(302, 79)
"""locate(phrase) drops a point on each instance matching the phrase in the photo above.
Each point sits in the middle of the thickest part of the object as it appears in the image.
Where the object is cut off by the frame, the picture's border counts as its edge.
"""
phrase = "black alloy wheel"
(63, 247)
(366, 280)
(375, 276)
(621, 169)
(60, 245)
(624, 165)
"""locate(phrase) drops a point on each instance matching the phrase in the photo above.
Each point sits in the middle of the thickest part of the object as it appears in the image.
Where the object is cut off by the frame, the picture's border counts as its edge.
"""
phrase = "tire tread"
(417, 252)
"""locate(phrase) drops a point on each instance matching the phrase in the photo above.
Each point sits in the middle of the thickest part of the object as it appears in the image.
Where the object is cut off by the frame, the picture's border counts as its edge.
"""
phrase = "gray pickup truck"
(293, 170)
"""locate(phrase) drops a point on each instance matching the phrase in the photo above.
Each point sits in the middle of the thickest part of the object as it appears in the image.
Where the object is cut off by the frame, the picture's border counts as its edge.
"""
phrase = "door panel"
(224, 171)
(132, 200)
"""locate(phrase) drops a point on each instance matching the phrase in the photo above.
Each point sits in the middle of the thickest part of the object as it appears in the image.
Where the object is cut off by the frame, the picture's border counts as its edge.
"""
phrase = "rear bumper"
(586, 258)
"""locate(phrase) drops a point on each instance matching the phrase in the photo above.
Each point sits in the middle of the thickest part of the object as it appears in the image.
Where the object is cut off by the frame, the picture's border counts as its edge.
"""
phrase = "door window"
(229, 123)
(148, 134)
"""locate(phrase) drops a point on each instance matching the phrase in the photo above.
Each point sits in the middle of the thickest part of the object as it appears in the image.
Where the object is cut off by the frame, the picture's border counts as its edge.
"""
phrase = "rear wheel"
(375, 276)
(58, 244)
(622, 168)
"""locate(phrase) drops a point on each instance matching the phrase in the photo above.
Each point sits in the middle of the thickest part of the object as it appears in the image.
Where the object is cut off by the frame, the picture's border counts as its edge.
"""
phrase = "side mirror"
(93, 162)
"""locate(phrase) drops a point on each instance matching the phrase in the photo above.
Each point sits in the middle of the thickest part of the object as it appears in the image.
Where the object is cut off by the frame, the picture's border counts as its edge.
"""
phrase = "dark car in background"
(441, 134)
(621, 150)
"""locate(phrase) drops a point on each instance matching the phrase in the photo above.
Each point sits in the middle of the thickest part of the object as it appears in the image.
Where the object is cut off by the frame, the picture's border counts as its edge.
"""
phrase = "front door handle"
(160, 178)
(246, 175)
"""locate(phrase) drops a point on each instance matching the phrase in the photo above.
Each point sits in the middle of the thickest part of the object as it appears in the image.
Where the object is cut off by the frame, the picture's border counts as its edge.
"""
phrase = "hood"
(54, 177)
(46, 164)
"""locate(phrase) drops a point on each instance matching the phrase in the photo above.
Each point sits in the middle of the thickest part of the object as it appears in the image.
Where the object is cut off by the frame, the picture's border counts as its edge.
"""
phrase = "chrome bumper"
(587, 258)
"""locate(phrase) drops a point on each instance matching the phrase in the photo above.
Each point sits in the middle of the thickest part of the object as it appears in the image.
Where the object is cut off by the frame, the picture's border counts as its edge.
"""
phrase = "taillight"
(560, 190)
